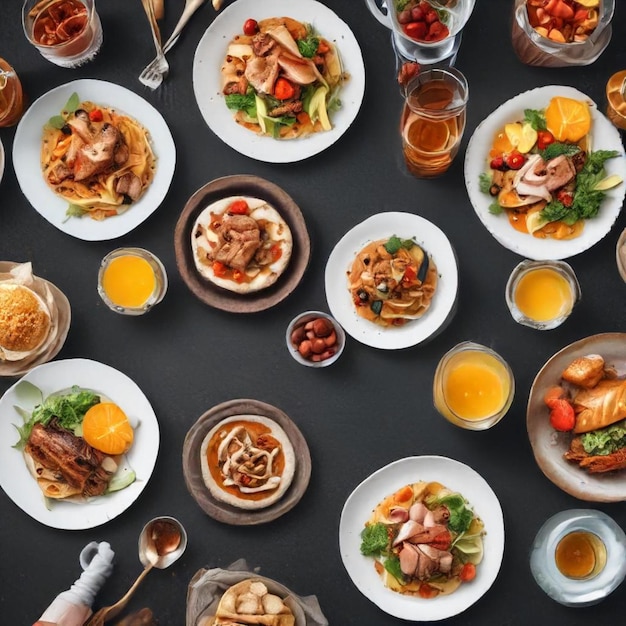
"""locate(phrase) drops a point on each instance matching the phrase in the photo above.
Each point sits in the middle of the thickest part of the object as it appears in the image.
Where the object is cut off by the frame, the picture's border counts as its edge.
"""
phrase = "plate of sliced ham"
(517, 224)
(385, 482)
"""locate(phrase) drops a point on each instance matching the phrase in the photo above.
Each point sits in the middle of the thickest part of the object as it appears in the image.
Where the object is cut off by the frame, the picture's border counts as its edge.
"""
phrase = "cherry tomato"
(515, 160)
(562, 416)
(250, 27)
(565, 197)
(468, 572)
(238, 207)
(427, 591)
(497, 163)
(544, 139)
(416, 30)
(95, 115)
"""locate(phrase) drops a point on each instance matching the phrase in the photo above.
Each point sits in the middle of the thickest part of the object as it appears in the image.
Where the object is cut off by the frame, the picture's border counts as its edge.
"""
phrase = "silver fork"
(156, 32)
(154, 73)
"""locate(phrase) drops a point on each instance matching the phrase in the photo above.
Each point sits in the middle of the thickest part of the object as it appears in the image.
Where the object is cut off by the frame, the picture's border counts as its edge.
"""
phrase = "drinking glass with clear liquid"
(433, 120)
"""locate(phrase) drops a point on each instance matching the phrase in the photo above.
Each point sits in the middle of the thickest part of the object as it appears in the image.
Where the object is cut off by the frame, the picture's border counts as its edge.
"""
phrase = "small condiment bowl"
(319, 357)
(563, 279)
(620, 255)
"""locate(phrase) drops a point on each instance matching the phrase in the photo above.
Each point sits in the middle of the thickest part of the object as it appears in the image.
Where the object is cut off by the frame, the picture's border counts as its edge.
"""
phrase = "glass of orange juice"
(542, 294)
(131, 281)
(433, 120)
(473, 386)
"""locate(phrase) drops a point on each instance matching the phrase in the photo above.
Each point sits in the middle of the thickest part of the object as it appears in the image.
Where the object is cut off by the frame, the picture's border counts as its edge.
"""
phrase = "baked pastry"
(25, 321)
(249, 602)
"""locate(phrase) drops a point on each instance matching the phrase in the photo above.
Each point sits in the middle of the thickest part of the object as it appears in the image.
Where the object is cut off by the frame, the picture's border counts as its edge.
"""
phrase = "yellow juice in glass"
(543, 294)
(131, 281)
(473, 386)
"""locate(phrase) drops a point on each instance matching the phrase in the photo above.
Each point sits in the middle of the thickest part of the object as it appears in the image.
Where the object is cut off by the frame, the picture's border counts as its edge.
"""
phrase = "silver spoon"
(161, 542)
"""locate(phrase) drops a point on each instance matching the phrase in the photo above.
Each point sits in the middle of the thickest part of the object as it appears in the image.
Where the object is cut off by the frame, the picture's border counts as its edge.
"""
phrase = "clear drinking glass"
(131, 281)
(473, 386)
(602, 547)
(542, 294)
(66, 32)
(11, 95)
(433, 120)
(534, 48)
(616, 99)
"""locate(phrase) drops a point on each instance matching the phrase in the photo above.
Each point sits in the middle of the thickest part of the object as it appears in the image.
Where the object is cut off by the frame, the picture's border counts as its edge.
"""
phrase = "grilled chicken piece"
(130, 185)
(59, 450)
(595, 464)
(98, 155)
(239, 237)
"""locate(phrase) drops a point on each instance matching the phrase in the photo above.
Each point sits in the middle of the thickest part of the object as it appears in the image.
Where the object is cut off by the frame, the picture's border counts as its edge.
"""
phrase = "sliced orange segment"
(106, 428)
(568, 119)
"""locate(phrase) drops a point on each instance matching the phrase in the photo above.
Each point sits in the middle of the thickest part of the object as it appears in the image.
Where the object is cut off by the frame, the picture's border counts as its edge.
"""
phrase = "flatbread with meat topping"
(247, 461)
(241, 244)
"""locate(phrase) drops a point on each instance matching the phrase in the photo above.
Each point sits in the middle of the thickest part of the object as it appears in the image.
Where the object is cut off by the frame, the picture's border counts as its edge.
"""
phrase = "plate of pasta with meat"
(278, 81)
(106, 159)
(392, 280)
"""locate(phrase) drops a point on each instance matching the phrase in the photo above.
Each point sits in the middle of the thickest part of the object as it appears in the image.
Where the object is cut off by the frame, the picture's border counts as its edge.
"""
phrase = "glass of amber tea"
(433, 120)
(66, 32)
(11, 96)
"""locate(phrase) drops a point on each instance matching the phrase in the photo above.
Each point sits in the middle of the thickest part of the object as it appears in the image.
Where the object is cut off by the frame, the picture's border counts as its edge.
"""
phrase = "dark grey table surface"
(367, 410)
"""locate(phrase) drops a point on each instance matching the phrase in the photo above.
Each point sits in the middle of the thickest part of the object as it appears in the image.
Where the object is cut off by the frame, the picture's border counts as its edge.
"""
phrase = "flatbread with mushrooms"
(247, 461)
(241, 244)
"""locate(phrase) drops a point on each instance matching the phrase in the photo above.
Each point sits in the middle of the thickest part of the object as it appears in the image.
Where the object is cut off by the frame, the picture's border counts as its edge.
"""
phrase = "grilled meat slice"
(595, 464)
(239, 239)
(60, 451)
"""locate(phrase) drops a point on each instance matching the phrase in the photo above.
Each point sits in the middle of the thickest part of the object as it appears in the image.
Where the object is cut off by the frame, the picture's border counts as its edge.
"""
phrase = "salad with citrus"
(543, 174)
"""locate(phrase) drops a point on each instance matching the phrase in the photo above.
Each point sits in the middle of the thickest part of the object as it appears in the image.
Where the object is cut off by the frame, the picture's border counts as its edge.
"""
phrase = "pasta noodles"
(97, 159)
(392, 281)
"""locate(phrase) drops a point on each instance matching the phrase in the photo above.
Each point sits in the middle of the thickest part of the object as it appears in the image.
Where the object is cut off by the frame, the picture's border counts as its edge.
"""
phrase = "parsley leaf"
(374, 539)
(484, 182)
(395, 243)
(309, 45)
(535, 118)
(556, 149)
(242, 102)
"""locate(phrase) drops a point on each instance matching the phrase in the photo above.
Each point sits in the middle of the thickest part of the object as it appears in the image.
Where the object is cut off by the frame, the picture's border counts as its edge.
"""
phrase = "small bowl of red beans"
(315, 339)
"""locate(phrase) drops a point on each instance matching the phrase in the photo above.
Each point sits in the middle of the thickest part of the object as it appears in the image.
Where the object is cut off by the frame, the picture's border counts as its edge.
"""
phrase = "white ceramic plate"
(15, 478)
(358, 508)
(549, 446)
(604, 137)
(207, 79)
(380, 226)
(26, 160)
